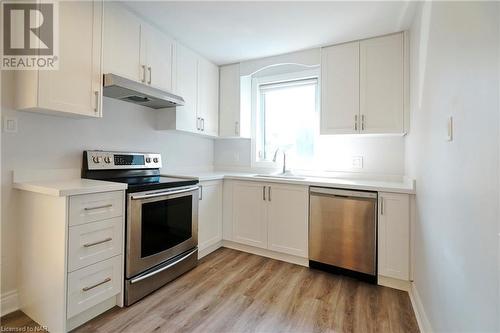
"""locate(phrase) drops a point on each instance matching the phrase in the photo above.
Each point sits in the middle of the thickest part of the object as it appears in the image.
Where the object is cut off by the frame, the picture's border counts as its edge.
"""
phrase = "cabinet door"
(381, 93)
(208, 97)
(287, 217)
(157, 50)
(76, 86)
(249, 214)
(340, 89)
(210, 214)
(187, 87)
(121, 42)
(229, 101)
(394, 235)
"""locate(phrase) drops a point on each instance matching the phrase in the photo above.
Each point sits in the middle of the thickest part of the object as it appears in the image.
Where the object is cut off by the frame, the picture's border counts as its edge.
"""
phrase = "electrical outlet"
(10, 125)
(357, 162)
(236, 157)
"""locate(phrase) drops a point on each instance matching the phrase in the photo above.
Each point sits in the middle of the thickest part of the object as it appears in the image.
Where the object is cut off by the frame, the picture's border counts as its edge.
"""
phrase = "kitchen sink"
(281, 176)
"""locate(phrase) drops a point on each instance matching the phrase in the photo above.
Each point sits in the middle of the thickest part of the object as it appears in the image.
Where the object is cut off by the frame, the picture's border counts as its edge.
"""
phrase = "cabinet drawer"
(95, 207)
(93, 242)
(94, 284)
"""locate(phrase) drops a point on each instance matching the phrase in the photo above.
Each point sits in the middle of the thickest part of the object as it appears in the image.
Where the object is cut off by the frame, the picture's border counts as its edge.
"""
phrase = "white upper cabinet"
(363, 87)
(122, 42)
(135, 50)
(75, 88)
(184, 118)
(394, 235)
(229, 101)
(340, 89)
(157, 51)
(208, 97)
(382, 84)
(197, 81)
(234, 103)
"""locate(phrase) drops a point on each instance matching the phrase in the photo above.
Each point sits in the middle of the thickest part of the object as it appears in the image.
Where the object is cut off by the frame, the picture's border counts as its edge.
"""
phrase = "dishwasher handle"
(343, 193)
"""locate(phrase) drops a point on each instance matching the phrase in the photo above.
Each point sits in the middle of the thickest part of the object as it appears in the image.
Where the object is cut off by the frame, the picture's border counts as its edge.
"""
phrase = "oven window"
(165, 224)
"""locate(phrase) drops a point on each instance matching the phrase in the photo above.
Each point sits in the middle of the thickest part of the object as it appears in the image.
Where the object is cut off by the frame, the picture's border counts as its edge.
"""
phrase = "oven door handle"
(145, 276)
(164, 193)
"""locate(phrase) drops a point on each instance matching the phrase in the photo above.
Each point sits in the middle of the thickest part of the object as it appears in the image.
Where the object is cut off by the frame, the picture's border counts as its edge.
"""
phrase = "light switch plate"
(450, 129)
(357, 162)
(10, 124)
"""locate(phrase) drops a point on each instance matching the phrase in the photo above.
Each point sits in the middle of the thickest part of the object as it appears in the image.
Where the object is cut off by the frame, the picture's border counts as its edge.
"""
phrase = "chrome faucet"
(284, 158)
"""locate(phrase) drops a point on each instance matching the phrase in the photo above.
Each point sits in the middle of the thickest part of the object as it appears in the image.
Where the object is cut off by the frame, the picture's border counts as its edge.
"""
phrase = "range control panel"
(102, 160)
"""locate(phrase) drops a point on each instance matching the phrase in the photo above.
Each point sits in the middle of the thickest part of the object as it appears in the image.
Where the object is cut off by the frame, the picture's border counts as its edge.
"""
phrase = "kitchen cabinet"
(288, 210)
(234, 109)
(250, 213)
(363, 87)
(394, 235)
(75, 89)
(382, 84)
(76, 272)
(122, 42)
(197, 81)
(183, 118)
(135, 50)
(271, 216)
(209, 217)
(340, 89)
(157, 50)
(208, 97)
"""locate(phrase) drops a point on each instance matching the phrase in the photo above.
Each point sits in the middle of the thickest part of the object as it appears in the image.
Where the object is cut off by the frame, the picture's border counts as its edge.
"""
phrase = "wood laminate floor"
(233, 291)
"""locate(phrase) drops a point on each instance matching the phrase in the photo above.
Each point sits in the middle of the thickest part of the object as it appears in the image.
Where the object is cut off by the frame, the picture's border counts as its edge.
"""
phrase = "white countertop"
(67, 187)
(355, 184)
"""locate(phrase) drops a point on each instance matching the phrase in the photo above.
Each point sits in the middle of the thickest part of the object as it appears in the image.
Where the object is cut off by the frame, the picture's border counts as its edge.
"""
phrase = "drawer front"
(93, 242)
(94, 284)
(95, 207)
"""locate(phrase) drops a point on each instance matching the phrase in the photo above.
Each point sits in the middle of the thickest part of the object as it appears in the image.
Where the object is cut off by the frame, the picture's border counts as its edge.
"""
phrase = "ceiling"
(228, 32)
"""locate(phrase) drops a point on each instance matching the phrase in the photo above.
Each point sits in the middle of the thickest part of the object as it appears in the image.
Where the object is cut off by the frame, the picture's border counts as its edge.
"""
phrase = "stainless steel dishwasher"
(343, 232)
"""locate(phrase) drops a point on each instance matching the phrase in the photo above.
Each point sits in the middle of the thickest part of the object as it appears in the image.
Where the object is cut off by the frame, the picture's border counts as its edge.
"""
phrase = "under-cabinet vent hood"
(131, 91)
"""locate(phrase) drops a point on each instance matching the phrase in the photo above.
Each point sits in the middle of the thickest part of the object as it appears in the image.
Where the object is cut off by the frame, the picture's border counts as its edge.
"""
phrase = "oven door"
(160, 225)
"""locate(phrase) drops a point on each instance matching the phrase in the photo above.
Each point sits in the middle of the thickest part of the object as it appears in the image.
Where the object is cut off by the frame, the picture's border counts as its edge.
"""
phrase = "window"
(287, 119)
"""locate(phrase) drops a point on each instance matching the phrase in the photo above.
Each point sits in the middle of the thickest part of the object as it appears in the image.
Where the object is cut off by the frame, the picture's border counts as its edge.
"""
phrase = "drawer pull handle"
(98, 242)
(98, 207)
(106, 280)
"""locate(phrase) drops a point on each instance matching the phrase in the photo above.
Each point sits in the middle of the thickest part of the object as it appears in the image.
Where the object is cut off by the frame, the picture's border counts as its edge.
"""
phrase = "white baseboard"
(266, 253)
(423, 322)
(394, 283)
(208, 249)
(9, 302)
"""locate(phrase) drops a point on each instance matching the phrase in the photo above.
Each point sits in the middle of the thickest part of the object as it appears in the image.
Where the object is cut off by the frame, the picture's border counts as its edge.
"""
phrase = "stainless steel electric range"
(161, 218)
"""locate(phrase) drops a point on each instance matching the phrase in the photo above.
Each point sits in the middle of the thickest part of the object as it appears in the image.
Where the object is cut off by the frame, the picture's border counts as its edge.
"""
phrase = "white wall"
(48, 142)
(454, 70)
(383, 156)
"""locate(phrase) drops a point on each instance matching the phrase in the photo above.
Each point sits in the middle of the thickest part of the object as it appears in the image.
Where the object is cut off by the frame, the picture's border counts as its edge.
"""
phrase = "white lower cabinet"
(271, 216)
(71, 257)
(288, 211)
(394, 235)
(209, 217)
(250, 213)
(94, 284)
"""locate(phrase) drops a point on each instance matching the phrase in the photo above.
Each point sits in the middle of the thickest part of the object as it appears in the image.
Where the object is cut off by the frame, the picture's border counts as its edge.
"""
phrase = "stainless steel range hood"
(131, 91)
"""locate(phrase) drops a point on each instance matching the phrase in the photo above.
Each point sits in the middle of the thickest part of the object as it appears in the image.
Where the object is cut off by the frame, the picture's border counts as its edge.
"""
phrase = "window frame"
(257, 82)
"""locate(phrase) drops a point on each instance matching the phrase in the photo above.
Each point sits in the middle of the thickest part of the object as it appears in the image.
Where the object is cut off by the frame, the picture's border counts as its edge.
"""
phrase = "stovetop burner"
(141, 171)
(140, 184)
